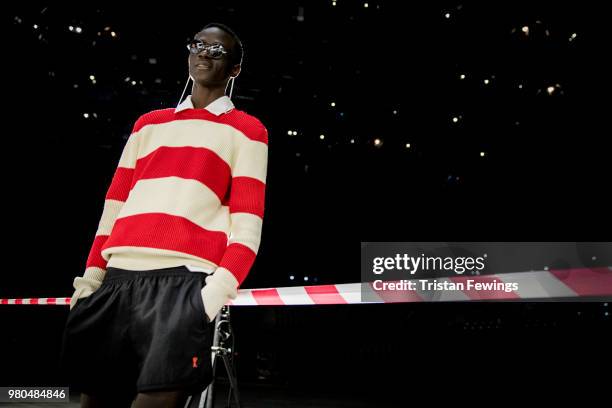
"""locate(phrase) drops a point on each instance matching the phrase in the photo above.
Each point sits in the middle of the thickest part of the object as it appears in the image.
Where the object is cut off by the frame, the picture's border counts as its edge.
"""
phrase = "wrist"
(224, 282)
(220, 287)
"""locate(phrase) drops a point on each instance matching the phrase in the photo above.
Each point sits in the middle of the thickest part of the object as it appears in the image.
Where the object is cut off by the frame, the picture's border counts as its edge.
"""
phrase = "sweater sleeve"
(116, 195)
(246, 206)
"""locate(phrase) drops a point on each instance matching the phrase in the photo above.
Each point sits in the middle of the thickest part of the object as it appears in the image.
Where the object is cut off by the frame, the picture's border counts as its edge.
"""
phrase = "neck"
(202, 96)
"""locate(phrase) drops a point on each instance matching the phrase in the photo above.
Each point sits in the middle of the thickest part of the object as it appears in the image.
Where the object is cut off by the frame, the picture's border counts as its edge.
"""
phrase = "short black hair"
(237, 52)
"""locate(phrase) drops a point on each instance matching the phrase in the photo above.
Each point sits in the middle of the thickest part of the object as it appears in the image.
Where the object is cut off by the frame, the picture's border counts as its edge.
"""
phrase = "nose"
(203, 53)
(202, 56)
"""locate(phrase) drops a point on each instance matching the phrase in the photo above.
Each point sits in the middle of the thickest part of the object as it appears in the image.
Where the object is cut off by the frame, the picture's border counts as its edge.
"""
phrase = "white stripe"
(251, 160)
(216, 137)
(369, 295)
(539, 284)
(181, 197)
(109, 214)
(129, 153)
(244, 298)
(295, 296)
(246, 230)
(350, 292)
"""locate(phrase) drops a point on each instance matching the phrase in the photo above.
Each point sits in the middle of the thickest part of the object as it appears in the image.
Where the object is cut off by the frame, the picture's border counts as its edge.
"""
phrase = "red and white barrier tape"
(565, 283)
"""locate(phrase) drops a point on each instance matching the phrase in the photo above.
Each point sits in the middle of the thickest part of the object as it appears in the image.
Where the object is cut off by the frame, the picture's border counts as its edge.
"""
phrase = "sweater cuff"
(225, 280)
(95, 273)
(88, 283)
(220, 287)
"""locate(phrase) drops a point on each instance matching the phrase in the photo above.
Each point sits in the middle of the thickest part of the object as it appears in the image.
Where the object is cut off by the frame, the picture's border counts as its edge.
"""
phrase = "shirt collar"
(219, 106)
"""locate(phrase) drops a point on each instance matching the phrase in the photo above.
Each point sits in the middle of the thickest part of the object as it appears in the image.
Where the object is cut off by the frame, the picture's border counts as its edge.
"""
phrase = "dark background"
(394, 74)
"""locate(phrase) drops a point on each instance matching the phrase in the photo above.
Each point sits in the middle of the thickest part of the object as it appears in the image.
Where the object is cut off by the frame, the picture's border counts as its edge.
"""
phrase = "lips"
(202, 65)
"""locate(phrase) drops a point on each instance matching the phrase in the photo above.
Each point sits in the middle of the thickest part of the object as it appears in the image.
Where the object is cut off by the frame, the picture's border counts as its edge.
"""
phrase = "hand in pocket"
(79, 294)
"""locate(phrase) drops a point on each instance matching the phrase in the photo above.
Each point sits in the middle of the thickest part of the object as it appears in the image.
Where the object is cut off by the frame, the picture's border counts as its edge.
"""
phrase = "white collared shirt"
(219, 106)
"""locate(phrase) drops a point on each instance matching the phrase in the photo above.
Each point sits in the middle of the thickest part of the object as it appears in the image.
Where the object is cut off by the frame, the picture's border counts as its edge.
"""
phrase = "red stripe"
(238, 259)
(188, 162)
(247, 195)
(325, 295)
(586, 281)
(165, 231)
(95, 257)
(250, 126)
(396, 296)
(484, 294)
(120, 185)
(35, 301)
(267, 297)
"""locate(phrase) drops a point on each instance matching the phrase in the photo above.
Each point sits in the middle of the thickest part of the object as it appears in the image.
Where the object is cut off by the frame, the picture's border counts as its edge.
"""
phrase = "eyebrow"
(206, 42)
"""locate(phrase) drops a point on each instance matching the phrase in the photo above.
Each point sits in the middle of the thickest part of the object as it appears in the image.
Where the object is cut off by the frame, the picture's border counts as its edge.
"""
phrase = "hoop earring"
(184, 89)
(231, 87)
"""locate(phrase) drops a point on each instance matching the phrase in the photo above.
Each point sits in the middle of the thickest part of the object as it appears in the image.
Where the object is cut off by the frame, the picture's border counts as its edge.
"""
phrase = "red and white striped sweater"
(189, 189)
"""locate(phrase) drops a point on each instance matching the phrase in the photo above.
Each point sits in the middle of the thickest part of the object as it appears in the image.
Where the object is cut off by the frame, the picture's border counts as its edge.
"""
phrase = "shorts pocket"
(200, 302)
(80, 301)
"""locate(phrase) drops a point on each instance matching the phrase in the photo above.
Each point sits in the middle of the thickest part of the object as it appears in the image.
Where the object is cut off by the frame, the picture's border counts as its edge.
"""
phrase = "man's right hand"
(79, 294)
(85, 286)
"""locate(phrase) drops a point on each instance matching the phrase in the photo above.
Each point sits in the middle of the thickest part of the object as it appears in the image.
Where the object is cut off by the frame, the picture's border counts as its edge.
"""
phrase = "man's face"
(206, 70)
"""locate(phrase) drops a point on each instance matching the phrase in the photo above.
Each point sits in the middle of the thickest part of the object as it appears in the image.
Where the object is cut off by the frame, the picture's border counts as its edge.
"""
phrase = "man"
(187, 197)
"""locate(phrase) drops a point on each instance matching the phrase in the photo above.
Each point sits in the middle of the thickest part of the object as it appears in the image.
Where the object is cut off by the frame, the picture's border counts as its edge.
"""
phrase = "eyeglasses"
(215, 51)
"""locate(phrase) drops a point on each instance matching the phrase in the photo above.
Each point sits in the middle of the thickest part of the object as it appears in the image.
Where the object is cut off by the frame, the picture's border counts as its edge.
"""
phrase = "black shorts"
(140, 331)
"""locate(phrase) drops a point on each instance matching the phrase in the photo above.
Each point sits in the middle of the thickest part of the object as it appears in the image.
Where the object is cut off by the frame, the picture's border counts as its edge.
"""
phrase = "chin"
(199, 73)
(201, 81)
